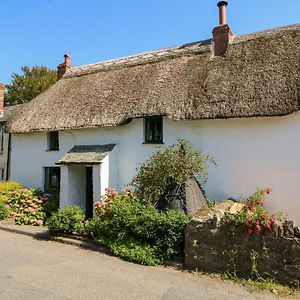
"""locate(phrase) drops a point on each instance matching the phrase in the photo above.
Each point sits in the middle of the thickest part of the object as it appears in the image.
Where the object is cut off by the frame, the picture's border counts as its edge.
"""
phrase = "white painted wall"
(251, 153)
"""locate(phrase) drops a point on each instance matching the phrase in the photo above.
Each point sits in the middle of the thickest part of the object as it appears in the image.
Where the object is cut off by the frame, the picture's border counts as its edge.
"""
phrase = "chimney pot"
(62, 68)
(222, 12)
(2, 87)
(222, 34)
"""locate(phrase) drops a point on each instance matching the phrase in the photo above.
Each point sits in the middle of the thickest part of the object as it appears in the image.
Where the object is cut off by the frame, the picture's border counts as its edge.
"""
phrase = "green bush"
(52, 204)
(135, 230)
(6, 187)
(169, 166)
(4, 211)
(26, 206)
(67, 220)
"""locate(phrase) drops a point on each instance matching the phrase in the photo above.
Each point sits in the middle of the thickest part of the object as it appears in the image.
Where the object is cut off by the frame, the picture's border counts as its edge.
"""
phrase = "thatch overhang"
(258, 76)
(8, 111)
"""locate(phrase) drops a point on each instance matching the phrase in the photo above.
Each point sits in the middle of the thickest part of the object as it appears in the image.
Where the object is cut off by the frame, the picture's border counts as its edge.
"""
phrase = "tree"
(29, 84)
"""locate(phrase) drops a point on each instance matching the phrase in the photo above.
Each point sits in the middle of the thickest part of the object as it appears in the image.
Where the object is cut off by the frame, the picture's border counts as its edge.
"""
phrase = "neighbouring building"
(236, 98)
(5, 112)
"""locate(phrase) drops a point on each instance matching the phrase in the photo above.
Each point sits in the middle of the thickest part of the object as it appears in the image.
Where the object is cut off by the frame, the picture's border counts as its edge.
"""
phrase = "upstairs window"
(154, 130)
(53, 140)
(52, 179)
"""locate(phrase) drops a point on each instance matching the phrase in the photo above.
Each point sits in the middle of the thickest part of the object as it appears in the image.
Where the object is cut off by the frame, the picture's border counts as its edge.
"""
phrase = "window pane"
(154, 130)
(53, 140)
(52, 179)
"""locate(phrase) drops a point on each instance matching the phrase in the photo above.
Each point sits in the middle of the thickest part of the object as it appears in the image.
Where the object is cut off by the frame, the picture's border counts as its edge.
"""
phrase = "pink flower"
(39, 222)
(268, 226)
(40, 201)
(257, 222)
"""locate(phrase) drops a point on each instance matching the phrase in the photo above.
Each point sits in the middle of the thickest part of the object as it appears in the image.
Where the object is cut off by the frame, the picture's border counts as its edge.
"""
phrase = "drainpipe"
(8, 157)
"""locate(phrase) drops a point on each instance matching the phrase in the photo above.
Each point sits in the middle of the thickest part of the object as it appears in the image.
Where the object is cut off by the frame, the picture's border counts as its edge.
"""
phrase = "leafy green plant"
(4, 211)
(52, 204)
(67, 220)
(26, 206)
(135, 229)
(254, 215)
(168, 166)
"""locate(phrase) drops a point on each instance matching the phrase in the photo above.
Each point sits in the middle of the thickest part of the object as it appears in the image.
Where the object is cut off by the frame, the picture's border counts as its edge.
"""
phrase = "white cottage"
(234, 97)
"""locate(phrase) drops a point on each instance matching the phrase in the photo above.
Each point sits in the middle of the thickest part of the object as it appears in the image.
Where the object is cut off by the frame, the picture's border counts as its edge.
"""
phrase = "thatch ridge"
(259, 76)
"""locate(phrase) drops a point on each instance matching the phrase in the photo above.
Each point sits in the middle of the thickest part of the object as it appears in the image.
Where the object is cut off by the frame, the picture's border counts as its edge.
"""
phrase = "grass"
(260, 284)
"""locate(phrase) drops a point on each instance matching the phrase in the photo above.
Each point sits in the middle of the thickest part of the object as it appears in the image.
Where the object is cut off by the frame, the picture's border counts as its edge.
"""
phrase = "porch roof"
(86, 154)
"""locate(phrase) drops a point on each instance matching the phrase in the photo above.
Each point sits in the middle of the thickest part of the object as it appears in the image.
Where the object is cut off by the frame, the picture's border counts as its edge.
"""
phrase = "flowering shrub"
(136, 230)
(6, 187)
(111, 195)
(254, 215)
(26, 206)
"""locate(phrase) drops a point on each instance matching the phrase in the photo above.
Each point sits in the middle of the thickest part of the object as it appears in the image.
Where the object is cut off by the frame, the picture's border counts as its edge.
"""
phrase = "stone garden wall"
(214, 244)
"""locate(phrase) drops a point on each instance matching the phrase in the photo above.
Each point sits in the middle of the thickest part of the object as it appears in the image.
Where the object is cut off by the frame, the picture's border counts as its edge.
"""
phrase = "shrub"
(169, 166)
(6, 187)
(67, 220)
(254, 215)
(26, 206)
(135, 230)
(52, 204)
(4, 211)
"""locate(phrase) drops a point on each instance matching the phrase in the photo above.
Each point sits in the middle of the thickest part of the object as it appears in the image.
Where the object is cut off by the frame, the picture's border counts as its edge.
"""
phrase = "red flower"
(250, 231)
(257, 222)
(257, 228)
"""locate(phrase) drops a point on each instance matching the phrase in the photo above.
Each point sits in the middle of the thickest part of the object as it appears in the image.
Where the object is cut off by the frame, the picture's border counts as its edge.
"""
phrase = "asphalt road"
(32, 269)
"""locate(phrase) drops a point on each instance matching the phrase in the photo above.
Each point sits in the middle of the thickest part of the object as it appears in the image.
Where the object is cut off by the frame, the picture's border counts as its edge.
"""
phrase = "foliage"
(168, 166)
(137, 230)
(29, 84)
(211, 203)
(67, 220)
(52, 205)
(26, 206)
(133, 250)
(254, 215)
(6, 187)
(4, 211)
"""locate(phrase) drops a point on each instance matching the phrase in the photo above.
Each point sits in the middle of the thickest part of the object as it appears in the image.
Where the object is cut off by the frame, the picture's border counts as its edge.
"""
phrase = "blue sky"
(40, 32)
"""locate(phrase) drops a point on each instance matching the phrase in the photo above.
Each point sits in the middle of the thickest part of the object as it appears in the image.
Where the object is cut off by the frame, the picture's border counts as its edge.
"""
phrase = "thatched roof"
(259, 76)
(8, 111)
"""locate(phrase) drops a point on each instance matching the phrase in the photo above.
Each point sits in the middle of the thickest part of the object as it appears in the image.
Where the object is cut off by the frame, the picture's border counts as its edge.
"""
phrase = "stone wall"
(213, 244)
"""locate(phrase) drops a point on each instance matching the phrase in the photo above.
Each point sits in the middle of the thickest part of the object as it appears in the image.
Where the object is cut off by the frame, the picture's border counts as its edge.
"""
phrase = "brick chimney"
(62, 68)
(2, 87)
(222, 33)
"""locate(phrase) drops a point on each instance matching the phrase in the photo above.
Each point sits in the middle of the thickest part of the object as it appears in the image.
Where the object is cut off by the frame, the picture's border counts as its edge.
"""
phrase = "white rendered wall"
(251, 153)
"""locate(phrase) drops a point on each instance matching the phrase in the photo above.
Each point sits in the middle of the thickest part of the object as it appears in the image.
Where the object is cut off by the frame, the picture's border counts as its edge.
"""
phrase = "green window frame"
(153, 130)
(53, 140)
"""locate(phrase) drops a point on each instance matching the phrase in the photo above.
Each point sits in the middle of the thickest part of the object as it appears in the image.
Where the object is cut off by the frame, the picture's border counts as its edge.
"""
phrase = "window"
(53, 140)
(154, 130)
(52, 179)
(1, 174)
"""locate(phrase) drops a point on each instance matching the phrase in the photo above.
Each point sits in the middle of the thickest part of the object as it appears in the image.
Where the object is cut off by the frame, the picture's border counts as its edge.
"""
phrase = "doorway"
(89, 204)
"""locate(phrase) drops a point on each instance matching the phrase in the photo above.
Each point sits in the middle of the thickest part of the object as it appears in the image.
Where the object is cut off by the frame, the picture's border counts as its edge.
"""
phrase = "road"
(32, 269)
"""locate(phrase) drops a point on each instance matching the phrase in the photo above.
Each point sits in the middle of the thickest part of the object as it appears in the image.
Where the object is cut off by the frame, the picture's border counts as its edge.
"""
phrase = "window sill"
(153, 143)
(1, 152)
(51, 150)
